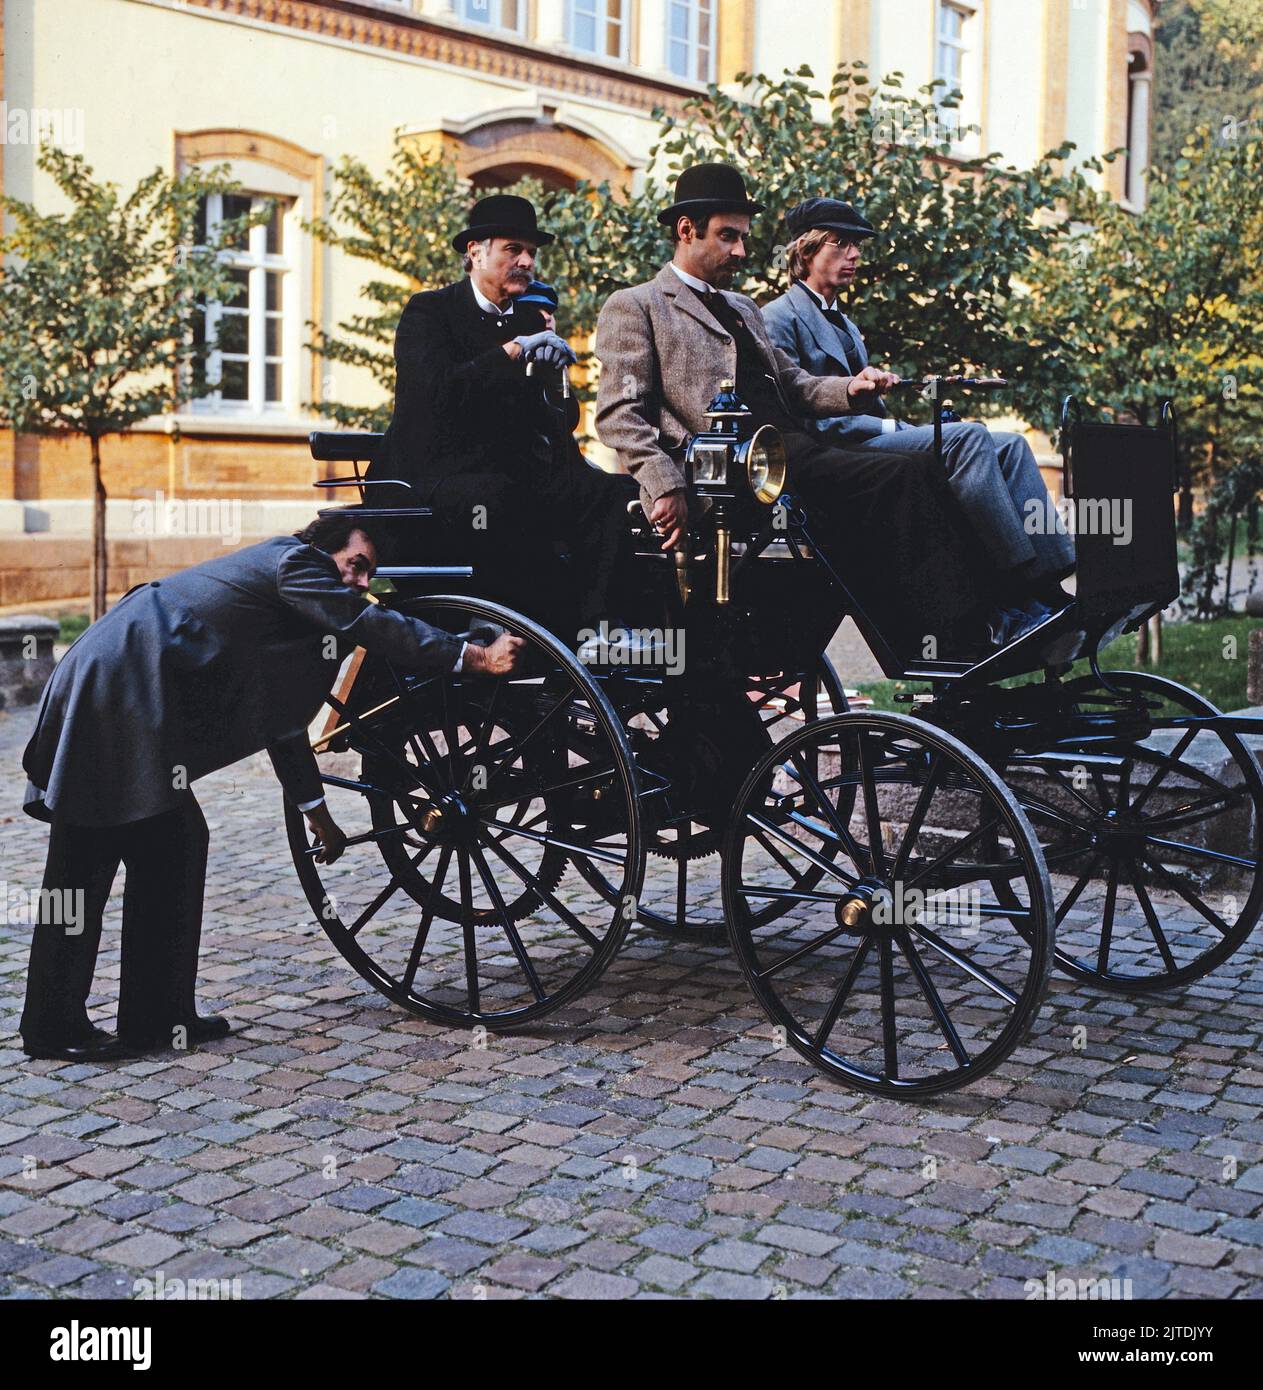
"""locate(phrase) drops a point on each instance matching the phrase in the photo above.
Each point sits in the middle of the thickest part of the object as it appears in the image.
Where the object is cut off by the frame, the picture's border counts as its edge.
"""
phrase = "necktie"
(838, 320)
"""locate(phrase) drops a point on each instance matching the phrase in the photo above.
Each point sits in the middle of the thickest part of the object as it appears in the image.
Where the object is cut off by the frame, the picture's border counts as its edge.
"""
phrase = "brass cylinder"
(723, 564)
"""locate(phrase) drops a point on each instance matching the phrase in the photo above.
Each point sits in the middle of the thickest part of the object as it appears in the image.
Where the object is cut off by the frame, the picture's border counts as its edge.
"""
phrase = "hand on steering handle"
(869, 380)
(670, 517)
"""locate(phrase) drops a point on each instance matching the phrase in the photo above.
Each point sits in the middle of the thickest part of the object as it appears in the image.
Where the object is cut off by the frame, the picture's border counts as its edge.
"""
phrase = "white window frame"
(692, 44)
(472, 11)
(967, 80)
(600, 11)
(295, 194)
(258, 263)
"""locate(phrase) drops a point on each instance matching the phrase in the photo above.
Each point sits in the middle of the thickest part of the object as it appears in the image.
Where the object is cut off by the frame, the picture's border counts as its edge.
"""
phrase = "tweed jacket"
(662, 358)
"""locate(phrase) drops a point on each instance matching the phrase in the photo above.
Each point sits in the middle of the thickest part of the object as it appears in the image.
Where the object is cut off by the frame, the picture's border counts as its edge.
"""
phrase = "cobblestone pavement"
(649, 1142)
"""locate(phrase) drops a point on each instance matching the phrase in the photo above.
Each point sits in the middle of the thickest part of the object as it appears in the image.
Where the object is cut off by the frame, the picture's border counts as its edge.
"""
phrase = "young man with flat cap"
(476, 438)
(992, 476)
(665, 346)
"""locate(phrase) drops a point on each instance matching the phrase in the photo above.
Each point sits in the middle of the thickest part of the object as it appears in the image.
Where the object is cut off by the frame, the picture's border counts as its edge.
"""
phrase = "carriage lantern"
(733, 461)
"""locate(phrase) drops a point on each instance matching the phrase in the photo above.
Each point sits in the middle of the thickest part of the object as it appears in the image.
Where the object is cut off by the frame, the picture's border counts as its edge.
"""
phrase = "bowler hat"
(502, 214)
(705, 188)
(830, 215)
(537, 292)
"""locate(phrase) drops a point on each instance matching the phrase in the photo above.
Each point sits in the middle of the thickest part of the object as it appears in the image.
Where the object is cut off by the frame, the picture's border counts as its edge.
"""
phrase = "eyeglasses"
(841, 243)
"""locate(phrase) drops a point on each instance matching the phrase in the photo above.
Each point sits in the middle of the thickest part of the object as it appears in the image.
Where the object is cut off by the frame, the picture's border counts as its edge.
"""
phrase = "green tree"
(1208, 71)
(97, 311)
(935, 292)
(1167, 303)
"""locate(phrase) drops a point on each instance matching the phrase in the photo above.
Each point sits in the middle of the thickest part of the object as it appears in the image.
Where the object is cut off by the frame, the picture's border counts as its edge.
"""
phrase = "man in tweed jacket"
(886, 522)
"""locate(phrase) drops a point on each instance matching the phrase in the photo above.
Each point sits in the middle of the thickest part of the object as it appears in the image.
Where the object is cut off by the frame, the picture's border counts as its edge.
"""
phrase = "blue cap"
(537, 292)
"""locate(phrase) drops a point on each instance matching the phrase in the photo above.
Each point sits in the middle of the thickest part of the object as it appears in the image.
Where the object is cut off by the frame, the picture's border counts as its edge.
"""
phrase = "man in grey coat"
(993, 476)
(186, 675)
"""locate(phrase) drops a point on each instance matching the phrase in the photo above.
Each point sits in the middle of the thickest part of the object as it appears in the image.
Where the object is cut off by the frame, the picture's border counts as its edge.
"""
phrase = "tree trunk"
(1232, 545)
(100, 561)
(1149, 642)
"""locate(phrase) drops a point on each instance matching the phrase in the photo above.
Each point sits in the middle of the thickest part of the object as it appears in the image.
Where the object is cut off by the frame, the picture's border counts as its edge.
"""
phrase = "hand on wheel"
(327, 834)
(498, 658)
(869, 380)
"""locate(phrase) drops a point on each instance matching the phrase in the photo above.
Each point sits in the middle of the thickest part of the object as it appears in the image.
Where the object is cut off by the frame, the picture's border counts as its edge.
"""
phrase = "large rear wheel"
(475, 809)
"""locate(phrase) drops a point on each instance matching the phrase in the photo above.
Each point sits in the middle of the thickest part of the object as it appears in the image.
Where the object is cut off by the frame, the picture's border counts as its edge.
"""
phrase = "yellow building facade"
(563, 89)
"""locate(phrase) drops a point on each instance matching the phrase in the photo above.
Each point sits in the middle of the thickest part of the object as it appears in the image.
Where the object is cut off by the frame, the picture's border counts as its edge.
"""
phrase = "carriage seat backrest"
(1120, 479)
(344, 446)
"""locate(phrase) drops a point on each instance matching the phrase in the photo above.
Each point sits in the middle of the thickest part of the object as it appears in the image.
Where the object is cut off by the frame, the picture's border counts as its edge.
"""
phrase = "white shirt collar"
(699, 286)
(486, 305)
(819, 298)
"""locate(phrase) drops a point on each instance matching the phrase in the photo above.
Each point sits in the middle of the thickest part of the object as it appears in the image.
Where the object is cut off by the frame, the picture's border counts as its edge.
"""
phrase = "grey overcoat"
(190, 673)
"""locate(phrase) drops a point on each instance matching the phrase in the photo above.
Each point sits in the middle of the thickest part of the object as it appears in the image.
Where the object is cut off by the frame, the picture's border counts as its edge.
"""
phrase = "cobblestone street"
(647, 1141)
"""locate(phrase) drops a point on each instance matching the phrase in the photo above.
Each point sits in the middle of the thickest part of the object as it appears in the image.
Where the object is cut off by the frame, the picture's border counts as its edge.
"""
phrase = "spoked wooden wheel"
(472, 807)
(1158, 839)
(673, 903)
(894, 968)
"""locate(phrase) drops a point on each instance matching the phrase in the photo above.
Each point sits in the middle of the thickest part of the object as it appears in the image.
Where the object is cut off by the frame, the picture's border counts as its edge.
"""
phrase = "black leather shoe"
(201, 1029)
(98, 1046)
(208, 1027)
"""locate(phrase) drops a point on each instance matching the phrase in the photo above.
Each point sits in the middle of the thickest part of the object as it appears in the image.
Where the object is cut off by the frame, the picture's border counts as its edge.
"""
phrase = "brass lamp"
(733, 462)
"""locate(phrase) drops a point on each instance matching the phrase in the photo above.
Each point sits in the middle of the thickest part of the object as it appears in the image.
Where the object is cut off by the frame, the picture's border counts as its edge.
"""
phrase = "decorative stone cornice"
(416, 37)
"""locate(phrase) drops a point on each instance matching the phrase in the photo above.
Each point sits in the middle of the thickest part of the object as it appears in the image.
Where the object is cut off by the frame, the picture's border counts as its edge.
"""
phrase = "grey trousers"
(993, 477)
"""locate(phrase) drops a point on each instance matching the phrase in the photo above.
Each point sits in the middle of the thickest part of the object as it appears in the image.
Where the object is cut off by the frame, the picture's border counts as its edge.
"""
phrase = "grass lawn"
(1207, 657)
(72, 624)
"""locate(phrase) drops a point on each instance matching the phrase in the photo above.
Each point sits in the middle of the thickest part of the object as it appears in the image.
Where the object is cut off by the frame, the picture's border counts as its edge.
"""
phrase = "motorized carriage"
(896, 886)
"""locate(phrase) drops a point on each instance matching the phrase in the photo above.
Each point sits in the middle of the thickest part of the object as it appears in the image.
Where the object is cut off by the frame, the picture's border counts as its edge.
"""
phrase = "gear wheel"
(398, 850)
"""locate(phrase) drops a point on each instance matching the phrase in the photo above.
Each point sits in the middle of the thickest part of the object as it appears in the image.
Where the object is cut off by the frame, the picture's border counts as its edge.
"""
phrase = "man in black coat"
(181, 677)
(477, 440)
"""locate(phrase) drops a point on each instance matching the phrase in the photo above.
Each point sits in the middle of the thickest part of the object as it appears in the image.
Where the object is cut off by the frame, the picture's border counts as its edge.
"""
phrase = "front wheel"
(1159, 838)
(894, 968)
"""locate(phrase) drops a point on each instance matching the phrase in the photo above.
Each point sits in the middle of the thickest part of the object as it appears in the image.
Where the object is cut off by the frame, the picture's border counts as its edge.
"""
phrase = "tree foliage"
(97, 305)
(1208, 71)
(1168, 303)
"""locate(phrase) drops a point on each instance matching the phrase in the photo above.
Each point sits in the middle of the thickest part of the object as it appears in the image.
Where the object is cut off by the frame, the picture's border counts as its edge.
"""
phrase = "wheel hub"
(857, 913)
(1119, 836)
(450, 819)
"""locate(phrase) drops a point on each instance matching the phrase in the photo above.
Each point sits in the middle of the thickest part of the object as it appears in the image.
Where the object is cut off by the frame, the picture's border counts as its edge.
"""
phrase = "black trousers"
(506, 523)
(888, 524)
(165, 857)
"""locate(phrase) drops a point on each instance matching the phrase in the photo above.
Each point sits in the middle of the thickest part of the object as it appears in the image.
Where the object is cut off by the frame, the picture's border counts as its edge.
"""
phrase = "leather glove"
(549, 348)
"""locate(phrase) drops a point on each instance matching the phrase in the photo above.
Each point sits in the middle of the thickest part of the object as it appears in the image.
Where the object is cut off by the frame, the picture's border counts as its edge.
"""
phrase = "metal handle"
(565, 379)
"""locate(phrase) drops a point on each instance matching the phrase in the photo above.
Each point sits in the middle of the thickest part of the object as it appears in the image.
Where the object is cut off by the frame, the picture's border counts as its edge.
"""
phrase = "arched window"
(260, 367)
